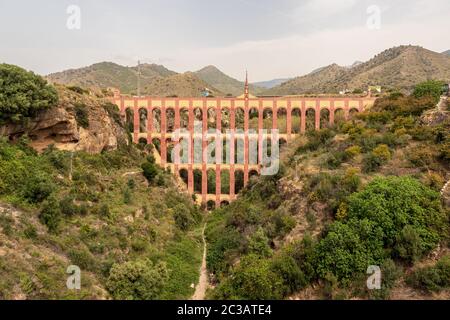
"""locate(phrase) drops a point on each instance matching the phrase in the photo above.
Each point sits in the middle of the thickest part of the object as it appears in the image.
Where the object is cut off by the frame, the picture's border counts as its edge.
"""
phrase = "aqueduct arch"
(155, 119)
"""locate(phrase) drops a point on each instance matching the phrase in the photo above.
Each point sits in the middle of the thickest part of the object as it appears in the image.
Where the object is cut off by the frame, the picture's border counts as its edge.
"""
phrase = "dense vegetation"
(23, 94)
(364, 192)
(97, 212)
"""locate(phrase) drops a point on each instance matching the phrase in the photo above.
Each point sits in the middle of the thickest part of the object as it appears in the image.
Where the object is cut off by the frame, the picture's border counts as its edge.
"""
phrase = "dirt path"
(203, 282)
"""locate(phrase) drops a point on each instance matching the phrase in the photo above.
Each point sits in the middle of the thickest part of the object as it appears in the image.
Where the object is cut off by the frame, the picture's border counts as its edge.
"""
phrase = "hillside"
(217, 79)
(180, 85)
(271, 83)
(363, 192)
(446, 52)
(108, 74)
(398, 67)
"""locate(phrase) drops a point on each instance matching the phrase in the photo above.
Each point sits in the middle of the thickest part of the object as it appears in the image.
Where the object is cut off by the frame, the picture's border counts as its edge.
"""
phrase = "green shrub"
(137, 280)
(258, 244)
(81, 115)
(23, 93)
(37, 188)
(430, 88)
(150, 171)
(182, 216)
(50, 214)
(432, 279)
(78, 90)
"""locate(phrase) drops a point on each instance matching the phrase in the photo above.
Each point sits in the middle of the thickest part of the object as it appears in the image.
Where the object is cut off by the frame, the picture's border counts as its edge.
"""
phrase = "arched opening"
(157, 144)
(211, 181)
(268, 119)
(143, 120)
(156, 118)
(310, 119)
(210, 205)
(169, 150)
(296, 123)
(339, 115)
(238, 181)
(253, 174)
(253, 116)
(239, 151)
(129, 119)
(225, 119)
(226, 150)
(282, 120)
(267, 147)
(253, 151)
(170, 120)
(282, 142)
(198, 149)
(225, 182)
(224, 204)
(142, 142)
(197, 181)
(353, 112)
(212, 119)
(198, 114)
(184, 175)
(324, 118)
(211, 150)
(184, 118)
(240, 117)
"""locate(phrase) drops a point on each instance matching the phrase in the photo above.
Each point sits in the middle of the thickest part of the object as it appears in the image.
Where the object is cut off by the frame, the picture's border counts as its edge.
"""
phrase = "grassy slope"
(33, 260)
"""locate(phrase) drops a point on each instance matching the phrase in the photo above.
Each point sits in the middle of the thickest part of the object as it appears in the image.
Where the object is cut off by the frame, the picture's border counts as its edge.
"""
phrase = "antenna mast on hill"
(139, 79)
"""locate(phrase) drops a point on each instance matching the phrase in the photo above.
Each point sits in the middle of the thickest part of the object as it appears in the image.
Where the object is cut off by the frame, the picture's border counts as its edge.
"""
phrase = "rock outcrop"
(58, 126)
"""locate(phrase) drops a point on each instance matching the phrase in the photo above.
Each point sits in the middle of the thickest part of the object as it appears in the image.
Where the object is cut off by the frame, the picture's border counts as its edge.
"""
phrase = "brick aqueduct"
(155, 119)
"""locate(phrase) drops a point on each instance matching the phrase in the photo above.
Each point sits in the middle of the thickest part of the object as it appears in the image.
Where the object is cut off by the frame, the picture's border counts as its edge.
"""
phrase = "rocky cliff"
(101, 128)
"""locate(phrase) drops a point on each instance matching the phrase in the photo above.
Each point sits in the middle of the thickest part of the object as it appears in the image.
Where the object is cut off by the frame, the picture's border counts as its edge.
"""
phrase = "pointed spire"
(246, 91)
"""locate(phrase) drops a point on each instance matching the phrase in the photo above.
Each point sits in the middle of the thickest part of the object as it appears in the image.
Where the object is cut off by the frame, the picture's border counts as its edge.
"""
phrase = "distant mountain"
(226, 84)
(271, 83)
(355, 64)
(181, 85)
(446, 52)
(109, 74)
(399, 67)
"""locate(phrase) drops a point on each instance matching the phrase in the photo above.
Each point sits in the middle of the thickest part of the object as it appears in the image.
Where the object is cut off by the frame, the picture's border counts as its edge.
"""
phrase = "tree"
(150, 171)
(430, 88)
(137, 280)
(23, 94)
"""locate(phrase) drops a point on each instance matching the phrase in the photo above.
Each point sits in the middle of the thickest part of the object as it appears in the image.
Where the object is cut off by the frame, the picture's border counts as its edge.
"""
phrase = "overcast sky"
(270, 38)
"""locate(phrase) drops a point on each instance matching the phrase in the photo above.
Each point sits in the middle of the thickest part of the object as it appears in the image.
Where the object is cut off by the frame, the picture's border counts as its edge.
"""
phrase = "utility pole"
(139, 79)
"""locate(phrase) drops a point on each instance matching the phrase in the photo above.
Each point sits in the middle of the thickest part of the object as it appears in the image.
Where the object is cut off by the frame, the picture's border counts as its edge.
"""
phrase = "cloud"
(321, 9)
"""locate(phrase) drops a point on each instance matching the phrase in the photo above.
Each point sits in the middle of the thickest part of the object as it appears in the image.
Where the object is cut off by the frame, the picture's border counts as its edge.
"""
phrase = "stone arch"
(353, 112)
(170, 120)
(225, 119)
(252, 174)
(210, 205)
(224, 203)
(310, 119)
(339, 115)
(239, 150)
(129, 119)
(282, 142)
(211, 184)
(238, 181)
(198, 181)
(184, 118)
(169, 148)
(142, 141)
(239, 118)
(253, 116)
(184, 175)
(324, 118)
(296, 121)
(267, 118)
(157, 144)
(212, 118)
(282, 120)
(225, 182)
(143, 115)
(156, 118)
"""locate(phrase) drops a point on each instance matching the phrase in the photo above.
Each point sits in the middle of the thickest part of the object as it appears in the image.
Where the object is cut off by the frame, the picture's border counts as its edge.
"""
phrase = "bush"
(82, 115)
(23, 93)
(50, 214)
(78, 90)
(430, 88)
(258, 244)
(37, 188)
(434, 278)
(138, 280)
(182, 216)
(150, 171)
(352, 151)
